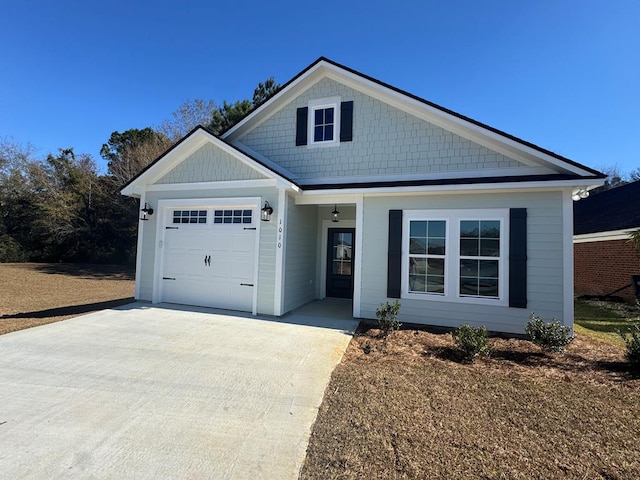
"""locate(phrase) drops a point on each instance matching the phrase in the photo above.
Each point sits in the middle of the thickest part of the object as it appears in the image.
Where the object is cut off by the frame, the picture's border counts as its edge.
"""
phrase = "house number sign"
(280, 233)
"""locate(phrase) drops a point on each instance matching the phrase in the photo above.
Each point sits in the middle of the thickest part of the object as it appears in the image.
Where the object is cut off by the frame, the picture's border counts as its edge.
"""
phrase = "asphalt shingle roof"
(615, 209)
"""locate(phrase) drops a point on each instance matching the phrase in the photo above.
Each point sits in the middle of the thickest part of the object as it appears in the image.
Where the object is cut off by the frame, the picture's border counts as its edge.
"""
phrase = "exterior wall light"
(266, 212)
(147, 211)
(581, 193)
(334, 214)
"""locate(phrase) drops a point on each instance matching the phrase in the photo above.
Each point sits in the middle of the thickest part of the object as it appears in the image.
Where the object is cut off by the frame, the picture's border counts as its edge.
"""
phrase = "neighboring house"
(458, 220)
(603, 256)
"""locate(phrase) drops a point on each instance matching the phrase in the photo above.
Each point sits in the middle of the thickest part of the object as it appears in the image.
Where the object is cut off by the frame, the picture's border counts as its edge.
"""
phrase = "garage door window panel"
(230, 217)
(189, 217)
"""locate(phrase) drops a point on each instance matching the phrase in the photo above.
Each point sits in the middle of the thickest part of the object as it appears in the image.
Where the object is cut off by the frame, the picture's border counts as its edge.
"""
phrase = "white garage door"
(209, 257)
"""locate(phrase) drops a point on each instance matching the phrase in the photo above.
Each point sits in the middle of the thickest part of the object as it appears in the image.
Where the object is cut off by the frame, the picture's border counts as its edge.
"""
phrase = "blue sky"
(563, 74)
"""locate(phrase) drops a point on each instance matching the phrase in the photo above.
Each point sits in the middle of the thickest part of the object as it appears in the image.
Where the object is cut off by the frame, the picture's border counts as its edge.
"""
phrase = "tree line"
(60, 208)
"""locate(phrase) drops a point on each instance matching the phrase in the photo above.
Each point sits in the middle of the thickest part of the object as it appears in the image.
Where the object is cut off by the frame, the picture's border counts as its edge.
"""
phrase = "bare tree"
(188, 116)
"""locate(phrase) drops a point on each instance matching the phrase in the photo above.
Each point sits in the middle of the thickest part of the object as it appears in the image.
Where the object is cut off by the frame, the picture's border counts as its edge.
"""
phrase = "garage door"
(209, 257)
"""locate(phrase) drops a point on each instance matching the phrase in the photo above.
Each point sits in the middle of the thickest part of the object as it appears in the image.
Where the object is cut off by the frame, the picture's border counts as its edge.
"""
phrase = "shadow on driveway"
(70, 310)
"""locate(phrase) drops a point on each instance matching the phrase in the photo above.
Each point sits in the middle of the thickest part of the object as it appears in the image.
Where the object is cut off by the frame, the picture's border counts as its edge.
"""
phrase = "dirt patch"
(34, 294)
(407, 407)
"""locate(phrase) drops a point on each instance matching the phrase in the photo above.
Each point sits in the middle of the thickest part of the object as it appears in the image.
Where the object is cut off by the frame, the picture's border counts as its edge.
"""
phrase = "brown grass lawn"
(37, 293)
(409, 409)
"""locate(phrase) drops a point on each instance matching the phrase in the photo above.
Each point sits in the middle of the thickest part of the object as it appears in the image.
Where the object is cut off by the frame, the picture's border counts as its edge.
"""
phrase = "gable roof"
(188, 144)
(404, 100)
(615, 209)
(567, 171)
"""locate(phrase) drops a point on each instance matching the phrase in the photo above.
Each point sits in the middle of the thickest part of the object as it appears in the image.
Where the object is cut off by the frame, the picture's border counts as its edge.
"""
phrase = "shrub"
(633, 345)
(471, 342)
(387, 317)
(550, 336)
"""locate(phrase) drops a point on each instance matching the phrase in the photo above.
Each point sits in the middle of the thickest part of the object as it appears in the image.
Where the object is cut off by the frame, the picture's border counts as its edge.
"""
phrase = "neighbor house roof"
(615, 209)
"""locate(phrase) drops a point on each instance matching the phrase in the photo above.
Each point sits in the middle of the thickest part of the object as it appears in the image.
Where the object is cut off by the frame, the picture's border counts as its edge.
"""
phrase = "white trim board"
(567, 257)
(603, 236)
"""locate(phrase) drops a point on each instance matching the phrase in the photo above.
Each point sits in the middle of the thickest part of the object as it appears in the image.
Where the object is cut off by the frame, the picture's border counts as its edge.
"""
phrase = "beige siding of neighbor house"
(207, 164)
(267, 244)
(386, 141)
(544, 268)
(300, 255)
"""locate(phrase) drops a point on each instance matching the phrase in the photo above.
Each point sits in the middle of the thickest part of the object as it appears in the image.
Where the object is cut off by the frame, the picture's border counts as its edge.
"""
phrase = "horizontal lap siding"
(544, 269)
(603, 267)
(300, 255)
(267, 249)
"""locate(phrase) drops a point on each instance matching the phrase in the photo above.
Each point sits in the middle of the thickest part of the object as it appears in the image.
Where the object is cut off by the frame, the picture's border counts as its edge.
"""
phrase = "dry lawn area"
(33, 294)
(405, 407)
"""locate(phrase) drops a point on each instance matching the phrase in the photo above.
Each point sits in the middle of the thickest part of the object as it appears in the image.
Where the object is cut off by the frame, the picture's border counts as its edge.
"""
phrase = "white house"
(459, 221)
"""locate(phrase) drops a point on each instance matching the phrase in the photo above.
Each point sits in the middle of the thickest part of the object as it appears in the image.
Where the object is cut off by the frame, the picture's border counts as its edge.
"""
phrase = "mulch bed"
(406, 406)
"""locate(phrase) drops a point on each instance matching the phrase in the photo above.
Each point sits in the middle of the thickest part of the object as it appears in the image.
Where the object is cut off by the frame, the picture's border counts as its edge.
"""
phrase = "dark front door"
(340, 250)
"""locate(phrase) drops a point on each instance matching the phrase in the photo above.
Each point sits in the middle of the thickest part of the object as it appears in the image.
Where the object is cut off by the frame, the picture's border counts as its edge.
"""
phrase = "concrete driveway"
(164, 392)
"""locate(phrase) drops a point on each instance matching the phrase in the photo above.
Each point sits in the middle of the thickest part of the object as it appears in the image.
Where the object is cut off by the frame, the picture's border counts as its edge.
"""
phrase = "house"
(459, 221)
(604, 258)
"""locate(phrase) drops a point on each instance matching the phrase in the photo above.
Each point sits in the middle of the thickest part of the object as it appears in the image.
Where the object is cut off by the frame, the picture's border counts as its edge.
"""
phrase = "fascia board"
(466, 129)
(399, 177)
(440, 189)
(604, 236)
(459, 126)
(184, 150)
(165, 164)
(275, 103)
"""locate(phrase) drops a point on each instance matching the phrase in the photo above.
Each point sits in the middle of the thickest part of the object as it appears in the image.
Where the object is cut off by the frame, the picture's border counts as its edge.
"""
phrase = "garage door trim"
(200, 203)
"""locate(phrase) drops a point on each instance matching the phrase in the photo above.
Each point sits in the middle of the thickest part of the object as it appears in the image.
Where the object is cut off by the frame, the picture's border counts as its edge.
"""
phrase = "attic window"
(325, 122)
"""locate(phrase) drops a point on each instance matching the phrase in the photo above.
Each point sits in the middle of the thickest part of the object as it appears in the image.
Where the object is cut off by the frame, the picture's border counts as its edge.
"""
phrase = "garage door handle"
(168, 278)
(246, 284)
(207, 260)
(249, 228)
(172, 228)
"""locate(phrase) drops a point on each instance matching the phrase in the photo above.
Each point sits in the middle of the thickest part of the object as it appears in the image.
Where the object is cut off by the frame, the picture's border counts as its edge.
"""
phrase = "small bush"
(633, 345)
(472, 342)
(550, 336)
(387, 317)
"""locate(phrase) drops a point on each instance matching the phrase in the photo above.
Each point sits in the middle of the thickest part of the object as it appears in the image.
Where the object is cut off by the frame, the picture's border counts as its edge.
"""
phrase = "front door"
(340, 250)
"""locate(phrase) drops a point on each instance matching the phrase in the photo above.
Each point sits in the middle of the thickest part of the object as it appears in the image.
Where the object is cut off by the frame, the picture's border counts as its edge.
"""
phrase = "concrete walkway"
(164, 392)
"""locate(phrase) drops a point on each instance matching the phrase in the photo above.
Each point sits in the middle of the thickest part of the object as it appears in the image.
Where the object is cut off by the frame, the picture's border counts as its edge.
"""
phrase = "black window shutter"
(346, 121)
(301, 125)
(394, 255)
(518, 258)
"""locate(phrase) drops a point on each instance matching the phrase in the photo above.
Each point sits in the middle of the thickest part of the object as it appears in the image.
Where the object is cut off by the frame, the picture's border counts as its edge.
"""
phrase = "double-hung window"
(455, 255)
(427, 256)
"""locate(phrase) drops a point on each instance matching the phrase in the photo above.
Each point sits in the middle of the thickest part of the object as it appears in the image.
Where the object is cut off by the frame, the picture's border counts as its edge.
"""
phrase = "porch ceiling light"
(266, 212)
(334, 214)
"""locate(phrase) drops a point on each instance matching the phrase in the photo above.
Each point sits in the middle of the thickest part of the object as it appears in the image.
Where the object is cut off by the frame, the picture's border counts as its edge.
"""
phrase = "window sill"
(334, 143)
(494, 302)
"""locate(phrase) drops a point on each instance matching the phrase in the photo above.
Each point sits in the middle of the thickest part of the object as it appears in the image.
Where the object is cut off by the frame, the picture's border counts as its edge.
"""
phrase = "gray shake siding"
(385, 141)
(544, 270)
(207, 164)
